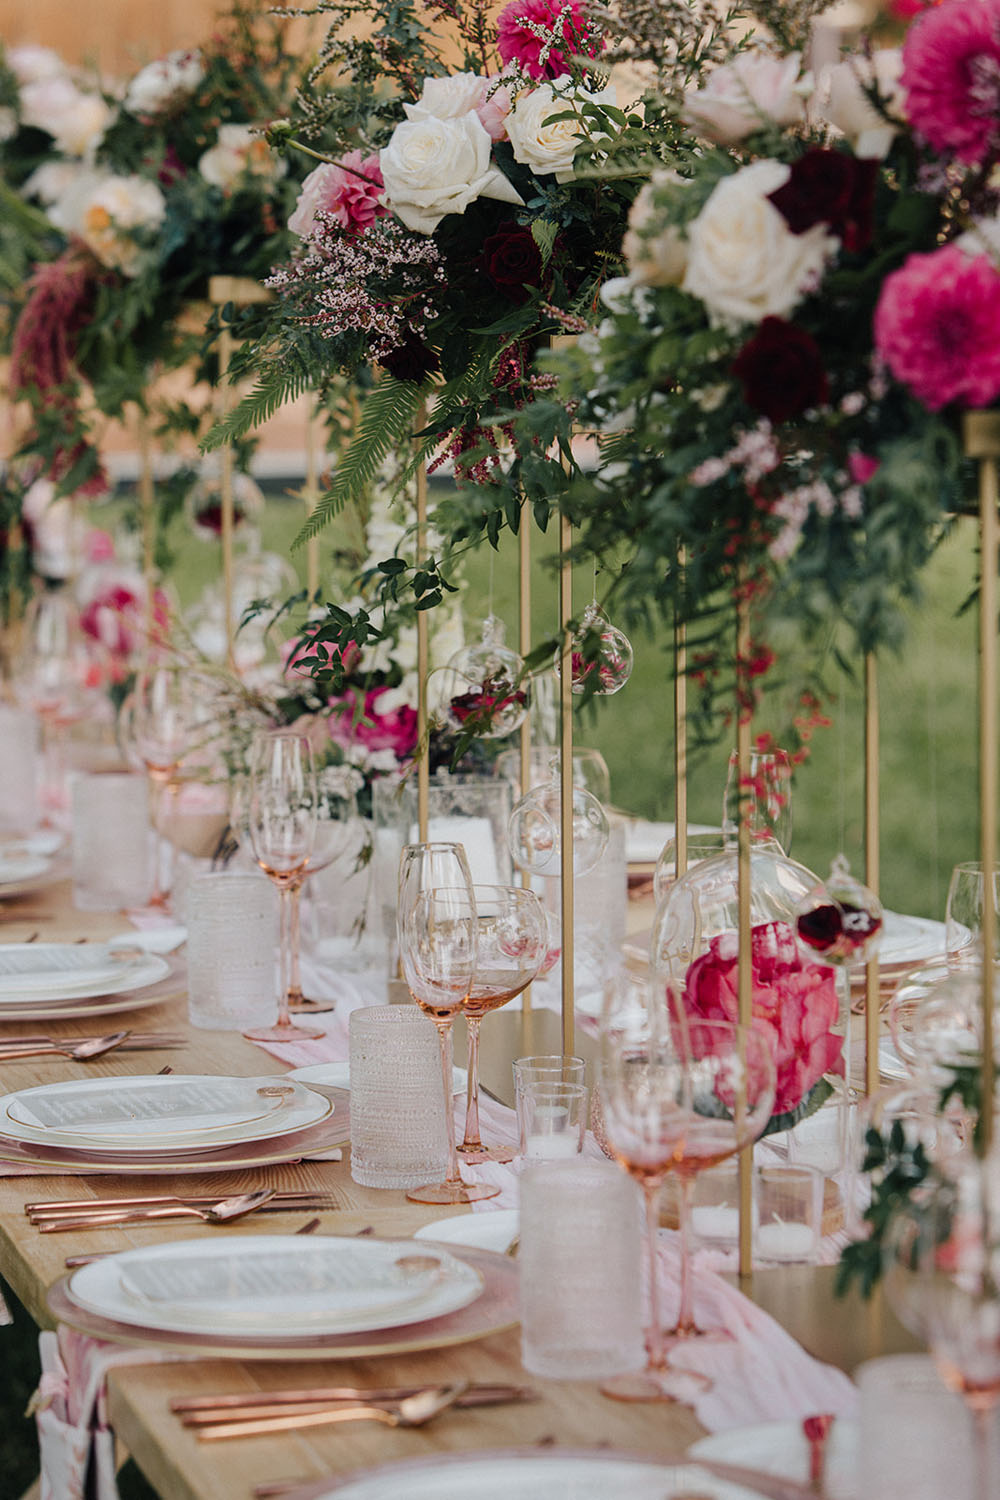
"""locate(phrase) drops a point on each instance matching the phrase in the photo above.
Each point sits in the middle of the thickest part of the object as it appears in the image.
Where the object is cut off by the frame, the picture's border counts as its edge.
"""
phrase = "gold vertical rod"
(566, 784)
(872, 866)
(423, 656)
(147, 513)
(744, 969)
(226, 498)
(524, 646)
(311, 496)
(988, 773)
(680, 740)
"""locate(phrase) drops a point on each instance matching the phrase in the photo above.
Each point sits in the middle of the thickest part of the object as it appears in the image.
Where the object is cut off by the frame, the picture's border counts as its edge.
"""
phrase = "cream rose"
(436, 167)
(75, 120)
(754, 90)
(240, 152)
(106, 212)
(165, 82)
(744, 263)
(543, 142)
(29, 64)
(655, 256)
(841, 100)
(447, 98)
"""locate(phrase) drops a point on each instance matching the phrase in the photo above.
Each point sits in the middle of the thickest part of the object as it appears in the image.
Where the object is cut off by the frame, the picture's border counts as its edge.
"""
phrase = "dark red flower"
(830, 187)
(411, 360)
(781, 370)
(512, 261)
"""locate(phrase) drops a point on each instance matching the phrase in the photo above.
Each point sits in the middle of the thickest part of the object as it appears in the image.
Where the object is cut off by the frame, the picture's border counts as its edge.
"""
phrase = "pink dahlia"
(349, 190)
(951, 77)
(937, 327)
(374, 726)
(540, 36)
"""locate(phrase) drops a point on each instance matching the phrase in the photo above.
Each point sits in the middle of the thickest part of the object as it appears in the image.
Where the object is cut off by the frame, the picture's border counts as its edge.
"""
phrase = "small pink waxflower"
(349, 191)
(540, 36)
(951, 77)
(937, 327)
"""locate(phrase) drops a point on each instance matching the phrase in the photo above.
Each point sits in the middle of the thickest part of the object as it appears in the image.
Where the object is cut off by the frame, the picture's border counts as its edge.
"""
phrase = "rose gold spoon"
(95, 1046)
(214, 1213)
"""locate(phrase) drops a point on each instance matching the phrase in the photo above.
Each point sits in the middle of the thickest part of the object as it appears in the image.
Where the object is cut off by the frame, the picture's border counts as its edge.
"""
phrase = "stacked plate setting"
(51, 981)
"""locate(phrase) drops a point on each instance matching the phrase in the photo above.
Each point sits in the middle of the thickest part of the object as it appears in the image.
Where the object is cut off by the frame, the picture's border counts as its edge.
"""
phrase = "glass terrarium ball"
(605, 670)
(534, 831)
(486, 692)
(840, 921)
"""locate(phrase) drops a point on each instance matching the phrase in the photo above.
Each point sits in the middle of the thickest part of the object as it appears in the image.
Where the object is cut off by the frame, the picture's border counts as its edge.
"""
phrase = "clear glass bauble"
(590, 769)
(535, 831)
(840, 921)
(605, 671)
(936, 1019)
(762, 799)
(204, 502)
(485, 690)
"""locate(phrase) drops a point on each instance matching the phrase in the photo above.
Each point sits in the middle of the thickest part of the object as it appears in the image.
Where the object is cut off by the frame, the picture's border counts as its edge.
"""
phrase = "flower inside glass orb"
(487, 693)
(840, 921)
(601, 655)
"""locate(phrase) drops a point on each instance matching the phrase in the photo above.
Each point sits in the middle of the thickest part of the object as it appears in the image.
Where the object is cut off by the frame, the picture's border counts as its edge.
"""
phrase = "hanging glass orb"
(486, 692)
(606, 672)
(535, 837)
(839, 922)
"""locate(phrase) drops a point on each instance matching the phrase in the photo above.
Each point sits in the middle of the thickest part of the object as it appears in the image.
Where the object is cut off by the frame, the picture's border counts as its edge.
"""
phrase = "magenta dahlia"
(540, 36)
(937, 327)
(951, 77)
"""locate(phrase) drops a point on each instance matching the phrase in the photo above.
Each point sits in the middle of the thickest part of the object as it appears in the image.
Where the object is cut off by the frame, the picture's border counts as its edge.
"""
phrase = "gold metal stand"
(147, 522)
(981, 431)
(423, 655)
(524, 646)
(680, 744)
(566, 786)
(872, 865)
(744, 967)
(310, 495)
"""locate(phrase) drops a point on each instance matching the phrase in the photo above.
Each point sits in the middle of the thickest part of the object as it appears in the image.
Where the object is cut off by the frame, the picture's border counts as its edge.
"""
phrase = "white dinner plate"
(157, 1113)
(47, 841)
(908, 940)
(490, 1229)
(40, 972)
(16, 867)
(264, 1284)
(644, 841)
(780, 1448)
(536, 1475)
(337, 1075)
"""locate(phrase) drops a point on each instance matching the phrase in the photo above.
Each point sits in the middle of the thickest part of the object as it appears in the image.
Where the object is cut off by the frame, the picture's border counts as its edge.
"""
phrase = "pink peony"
(350, 191)
(951, 77)
(862, 466)
(525, 32)
(937, 327)
(372, 728)
(794, 1006)
(495, 106)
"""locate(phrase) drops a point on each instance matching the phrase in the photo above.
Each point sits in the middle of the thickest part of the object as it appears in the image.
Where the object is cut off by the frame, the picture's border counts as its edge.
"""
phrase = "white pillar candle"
(785, 1241)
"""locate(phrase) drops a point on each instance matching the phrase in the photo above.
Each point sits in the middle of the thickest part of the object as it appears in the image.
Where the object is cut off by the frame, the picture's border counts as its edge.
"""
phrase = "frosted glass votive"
(112, 849)
(549, 1068)
(551, 1118)
(232, 945)
(398, 1130)
(788, 1213)
(19, 769)
(579, 1262)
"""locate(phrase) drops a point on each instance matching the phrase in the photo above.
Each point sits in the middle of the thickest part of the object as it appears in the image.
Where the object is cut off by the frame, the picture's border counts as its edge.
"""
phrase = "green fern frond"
(277, 384)
(386, 422)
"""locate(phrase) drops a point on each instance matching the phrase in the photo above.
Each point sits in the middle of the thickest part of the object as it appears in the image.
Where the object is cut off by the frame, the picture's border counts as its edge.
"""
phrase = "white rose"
(744, 262)
(53, 180)
(842, 102)
(8, 123)
(106, 211)
(30, 64)
(239, 152)
(436, 167)
(655, 257)
(542, 142)
(79, 128)
(754, 90)
(447, 98)
(165, 82)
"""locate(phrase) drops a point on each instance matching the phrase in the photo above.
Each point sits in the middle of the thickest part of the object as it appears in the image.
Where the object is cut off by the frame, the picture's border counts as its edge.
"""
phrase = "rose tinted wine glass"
(336, 828)
(161, 721)
(513, 944)
(282, 824)
(438, 947)
(676, 1097)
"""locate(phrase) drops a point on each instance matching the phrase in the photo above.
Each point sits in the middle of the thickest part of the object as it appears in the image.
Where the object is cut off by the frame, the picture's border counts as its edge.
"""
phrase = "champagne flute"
(336, 827)
(676, 1096)
(437, 944)
(160, 721)
(513, 944)
(943, 1280)
(282, 826)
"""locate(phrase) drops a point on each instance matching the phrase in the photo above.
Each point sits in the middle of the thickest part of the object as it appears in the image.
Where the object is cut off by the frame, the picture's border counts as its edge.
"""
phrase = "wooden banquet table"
(177, 1465)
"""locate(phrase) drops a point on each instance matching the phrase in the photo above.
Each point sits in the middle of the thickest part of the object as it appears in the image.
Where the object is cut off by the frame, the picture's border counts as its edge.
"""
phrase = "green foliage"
(897, 1169)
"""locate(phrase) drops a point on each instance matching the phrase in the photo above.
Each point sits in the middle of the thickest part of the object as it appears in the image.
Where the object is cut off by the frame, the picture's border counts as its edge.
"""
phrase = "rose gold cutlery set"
(84, 1048)
(61, 1214)
(249, 1415)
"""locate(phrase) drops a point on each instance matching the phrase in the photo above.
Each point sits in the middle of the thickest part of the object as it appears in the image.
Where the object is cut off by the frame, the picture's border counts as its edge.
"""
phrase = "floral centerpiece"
(145, 191)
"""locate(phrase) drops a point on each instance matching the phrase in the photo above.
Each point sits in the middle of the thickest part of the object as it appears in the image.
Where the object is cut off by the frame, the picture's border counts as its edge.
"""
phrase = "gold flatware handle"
(257, 1426)
(305, 1198)
(197, 1411)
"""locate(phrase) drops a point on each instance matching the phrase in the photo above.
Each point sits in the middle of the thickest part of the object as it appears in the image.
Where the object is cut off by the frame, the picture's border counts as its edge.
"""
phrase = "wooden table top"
(178, 1466)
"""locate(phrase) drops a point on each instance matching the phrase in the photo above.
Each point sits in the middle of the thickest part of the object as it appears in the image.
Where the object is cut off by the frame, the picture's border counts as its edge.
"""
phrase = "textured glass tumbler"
(551, 1118)
(19, 769)
(112, 847)
(398, 1131)
(914, 1437)
(232, 922)
(579, 1261)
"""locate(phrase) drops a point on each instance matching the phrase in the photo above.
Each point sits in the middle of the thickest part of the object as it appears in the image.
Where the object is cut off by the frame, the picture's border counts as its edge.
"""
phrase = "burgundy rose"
(781, 370)
(411, 360)
(512, 261)
(830, 187)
